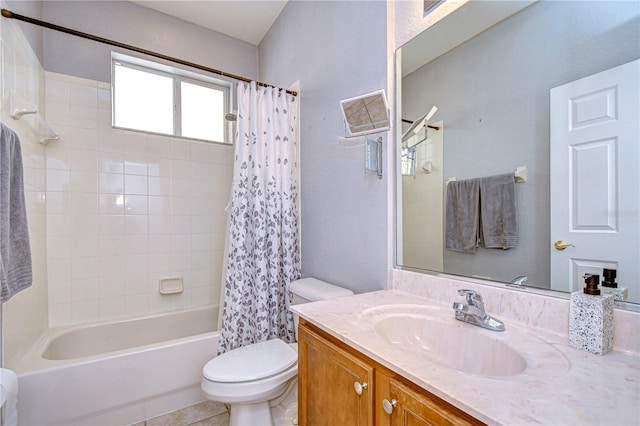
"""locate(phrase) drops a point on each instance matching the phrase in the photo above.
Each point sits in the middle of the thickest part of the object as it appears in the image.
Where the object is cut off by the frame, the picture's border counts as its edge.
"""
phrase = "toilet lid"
(251, 362)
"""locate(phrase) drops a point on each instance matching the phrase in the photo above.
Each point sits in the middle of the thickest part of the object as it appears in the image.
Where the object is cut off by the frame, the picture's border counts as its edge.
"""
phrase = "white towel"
(15, 252)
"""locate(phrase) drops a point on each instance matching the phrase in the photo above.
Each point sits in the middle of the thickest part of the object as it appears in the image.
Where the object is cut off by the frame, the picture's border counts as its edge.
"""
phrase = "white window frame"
(178, 75)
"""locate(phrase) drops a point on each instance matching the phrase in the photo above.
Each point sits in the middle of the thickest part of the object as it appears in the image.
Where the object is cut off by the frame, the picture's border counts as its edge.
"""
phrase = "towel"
(15, 253)
(462, 215)
(498, 213)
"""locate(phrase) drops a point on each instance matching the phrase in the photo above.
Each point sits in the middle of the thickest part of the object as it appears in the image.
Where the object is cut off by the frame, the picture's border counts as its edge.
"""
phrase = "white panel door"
(595, 183)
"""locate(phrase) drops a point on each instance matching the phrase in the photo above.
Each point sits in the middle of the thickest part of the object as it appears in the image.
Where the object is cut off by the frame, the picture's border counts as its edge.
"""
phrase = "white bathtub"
(117, 372)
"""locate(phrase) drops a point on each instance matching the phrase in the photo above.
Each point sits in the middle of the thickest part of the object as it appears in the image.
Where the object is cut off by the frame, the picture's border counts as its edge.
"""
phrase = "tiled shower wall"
(125, 209)
(24, 316)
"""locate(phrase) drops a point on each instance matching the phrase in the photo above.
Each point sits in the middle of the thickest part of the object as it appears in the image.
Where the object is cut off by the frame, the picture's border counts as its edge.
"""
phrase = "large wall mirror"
(512, 98)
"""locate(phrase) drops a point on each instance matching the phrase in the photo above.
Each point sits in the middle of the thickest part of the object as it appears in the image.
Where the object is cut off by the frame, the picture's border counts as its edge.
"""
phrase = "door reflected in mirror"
(494, 100)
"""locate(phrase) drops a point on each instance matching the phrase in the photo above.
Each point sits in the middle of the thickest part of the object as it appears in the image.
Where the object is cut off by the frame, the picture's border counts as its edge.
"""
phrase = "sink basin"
(451, 344)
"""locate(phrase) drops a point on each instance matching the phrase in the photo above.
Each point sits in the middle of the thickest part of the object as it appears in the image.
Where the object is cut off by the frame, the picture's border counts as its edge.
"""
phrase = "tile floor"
(207, 413)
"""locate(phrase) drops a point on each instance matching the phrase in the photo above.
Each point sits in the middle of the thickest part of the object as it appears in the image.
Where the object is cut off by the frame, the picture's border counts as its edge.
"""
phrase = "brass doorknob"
(561, 245)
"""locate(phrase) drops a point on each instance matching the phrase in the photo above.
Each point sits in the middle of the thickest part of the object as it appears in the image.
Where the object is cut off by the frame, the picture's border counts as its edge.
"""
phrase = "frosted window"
(143, 100)
(202, 110)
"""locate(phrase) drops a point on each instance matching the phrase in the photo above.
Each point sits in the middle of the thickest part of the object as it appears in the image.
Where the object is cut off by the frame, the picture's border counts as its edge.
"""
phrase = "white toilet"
(251, 377)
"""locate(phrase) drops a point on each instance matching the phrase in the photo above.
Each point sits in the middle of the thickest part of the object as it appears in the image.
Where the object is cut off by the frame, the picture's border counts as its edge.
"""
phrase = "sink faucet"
(473, 312)
(518, 282)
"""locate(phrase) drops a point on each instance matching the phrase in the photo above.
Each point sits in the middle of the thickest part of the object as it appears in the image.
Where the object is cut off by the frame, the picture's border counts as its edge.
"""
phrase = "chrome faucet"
(518, 282)
(473, 312)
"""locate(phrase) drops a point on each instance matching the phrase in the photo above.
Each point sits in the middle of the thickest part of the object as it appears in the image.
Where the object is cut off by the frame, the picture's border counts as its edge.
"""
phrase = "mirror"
(366, 114)
(493, 93)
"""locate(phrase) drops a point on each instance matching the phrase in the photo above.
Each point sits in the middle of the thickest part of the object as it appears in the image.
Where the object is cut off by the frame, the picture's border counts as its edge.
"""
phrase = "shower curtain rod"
(8, 14)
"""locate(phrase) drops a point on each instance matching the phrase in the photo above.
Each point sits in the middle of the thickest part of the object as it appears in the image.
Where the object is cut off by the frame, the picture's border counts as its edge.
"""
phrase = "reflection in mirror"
(495, 114)
(366, 114)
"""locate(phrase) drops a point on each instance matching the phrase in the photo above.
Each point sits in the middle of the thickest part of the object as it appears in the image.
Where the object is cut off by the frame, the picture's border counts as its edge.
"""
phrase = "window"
(161, 99)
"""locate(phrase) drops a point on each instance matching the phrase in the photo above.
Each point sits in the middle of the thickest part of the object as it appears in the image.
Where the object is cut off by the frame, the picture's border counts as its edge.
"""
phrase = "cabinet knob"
(388, 406)
(359, 387)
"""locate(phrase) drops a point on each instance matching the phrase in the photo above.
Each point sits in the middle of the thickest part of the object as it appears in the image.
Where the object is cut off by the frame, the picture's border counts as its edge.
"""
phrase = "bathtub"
(117, 372)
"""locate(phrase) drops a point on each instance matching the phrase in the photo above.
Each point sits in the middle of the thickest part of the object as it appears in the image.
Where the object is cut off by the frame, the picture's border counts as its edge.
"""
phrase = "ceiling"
(247, 20)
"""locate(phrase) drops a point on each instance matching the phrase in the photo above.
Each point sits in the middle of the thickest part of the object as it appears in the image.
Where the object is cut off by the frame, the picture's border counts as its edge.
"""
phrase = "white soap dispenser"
(591, 318)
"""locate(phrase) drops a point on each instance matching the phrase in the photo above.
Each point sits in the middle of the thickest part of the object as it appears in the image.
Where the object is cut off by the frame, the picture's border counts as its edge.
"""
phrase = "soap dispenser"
(591, 318)
(610, 286)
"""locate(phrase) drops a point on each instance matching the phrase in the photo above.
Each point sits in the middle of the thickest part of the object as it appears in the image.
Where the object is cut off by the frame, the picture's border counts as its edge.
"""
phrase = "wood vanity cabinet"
(340, 386)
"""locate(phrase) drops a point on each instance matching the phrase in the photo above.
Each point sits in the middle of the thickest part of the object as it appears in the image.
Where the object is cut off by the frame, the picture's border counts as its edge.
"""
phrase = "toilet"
(252, 377)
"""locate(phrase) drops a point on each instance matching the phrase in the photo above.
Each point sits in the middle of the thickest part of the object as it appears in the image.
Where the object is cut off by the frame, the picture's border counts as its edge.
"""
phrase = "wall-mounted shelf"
(20, 107)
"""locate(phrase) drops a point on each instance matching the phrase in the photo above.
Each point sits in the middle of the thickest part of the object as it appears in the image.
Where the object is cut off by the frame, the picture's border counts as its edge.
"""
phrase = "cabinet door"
(327, 375)
(419, 409)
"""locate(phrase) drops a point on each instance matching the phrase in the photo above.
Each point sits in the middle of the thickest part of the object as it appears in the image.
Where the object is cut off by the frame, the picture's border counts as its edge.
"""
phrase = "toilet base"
(258, 414)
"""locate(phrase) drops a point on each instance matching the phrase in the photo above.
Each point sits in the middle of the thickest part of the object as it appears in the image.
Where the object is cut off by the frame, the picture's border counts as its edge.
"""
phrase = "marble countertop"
(560, 385)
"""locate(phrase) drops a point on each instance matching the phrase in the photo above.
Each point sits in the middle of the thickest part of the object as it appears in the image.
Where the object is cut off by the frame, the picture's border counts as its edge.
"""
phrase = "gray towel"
(15, 253)
(498, 212)
(462, 215)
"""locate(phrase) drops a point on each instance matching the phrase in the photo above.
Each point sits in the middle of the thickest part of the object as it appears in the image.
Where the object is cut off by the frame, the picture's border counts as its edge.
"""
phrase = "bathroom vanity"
(392, 357)
(339, 385)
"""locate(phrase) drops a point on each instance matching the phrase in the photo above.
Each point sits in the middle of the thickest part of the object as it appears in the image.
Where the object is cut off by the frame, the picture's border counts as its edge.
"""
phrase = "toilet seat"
(239, 365)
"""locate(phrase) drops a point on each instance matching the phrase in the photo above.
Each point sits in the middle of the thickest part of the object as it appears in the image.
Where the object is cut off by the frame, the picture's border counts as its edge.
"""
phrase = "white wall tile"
(84, 160)
(112, 245)
(85, 311)
(159, 185)
(58, 180)
(85, 96)
(179, 149)
(136, 224)
(82, 137)
(84, 203)
(85, 289)
(58, 203)
(59, 314)
(84, 267)
(159, 262)
(110, 162)
(112, 286)
(134, 184)
(113, 307)
(112, 266)
(200, 152)
(159, 244)
(111, 183)
(59, 292)
(83, 181)
(135, 164)
(111, 224)
(121, 209)
(136, 204)
(159, 205)
(135, 142)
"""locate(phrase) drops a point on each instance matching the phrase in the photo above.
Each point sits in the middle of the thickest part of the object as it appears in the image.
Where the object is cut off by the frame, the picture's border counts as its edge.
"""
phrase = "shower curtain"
(264, 252)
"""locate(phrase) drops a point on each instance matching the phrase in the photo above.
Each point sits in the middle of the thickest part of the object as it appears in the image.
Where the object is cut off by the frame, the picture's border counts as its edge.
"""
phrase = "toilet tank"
(312, 290)
(307, 290)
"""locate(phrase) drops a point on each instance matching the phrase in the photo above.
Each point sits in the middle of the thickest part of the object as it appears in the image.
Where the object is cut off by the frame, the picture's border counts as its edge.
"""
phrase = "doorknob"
(561, 245)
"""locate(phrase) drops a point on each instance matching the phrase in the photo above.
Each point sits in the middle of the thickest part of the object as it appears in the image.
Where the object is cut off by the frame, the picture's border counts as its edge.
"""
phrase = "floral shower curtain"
(264, 252)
